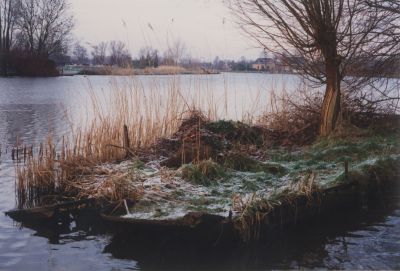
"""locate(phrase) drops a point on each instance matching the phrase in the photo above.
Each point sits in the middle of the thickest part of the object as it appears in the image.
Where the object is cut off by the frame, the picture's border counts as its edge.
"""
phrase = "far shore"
(161, 70)
(111, 70)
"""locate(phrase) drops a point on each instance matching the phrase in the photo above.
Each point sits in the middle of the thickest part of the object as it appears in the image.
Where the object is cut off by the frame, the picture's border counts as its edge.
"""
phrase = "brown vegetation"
(166, 129)
(32, 66)
(160, 70)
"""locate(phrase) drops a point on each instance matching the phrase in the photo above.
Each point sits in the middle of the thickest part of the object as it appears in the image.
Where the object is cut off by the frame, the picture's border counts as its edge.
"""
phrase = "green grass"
(137, 164)
(242, 162)
(205, 173)
(338, 150)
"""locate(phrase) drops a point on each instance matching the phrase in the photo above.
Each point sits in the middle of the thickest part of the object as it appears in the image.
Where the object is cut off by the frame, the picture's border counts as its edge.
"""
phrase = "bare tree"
(148, 57)
(119, 54)
(8, 18)
(390, 5)
(80, 53)
(175, 52)
(44, 26)
(332, 42)
(99, 53)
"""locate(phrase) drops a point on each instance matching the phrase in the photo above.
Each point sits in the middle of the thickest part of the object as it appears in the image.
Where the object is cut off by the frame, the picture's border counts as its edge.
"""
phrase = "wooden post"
(126, 142)
(346, 168)
(41, 151)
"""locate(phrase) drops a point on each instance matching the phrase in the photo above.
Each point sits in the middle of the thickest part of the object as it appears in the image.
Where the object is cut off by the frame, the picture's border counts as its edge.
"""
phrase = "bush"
(34, 66)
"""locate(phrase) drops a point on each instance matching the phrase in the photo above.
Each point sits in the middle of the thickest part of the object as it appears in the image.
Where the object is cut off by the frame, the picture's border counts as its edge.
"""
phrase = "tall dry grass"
(149, 113)
(98, 140)
(69, 166)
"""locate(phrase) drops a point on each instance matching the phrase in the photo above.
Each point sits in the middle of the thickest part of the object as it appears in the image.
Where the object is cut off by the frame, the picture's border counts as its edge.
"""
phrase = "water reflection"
(341, 240)
(345, 240)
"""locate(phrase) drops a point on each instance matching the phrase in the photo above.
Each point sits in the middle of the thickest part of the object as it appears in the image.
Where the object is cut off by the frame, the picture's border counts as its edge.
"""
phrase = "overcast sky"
(205, 26)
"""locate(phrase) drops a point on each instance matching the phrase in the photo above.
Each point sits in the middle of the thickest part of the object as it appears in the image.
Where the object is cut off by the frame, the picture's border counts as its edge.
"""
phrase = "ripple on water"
(19, 244)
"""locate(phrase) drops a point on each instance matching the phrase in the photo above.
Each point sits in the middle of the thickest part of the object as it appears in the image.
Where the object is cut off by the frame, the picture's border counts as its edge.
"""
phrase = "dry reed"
(149, 113)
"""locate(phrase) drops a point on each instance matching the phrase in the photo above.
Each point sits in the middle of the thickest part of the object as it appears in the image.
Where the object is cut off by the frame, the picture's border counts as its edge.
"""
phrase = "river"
(30, 108)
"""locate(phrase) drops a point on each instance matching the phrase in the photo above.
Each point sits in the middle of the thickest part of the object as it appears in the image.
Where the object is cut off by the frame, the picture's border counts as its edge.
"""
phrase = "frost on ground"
(168, 194)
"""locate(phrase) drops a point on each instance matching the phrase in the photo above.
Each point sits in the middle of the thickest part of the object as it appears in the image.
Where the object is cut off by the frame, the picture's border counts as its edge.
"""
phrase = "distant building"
(264, 64)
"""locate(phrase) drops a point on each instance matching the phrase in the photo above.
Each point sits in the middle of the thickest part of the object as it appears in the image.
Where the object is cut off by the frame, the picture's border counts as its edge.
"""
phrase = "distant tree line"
(33, 35)
(241, 65)
(116, 53)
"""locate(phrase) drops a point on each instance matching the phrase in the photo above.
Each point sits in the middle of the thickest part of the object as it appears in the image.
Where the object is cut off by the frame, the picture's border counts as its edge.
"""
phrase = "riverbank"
(118, 71)
(225, 173)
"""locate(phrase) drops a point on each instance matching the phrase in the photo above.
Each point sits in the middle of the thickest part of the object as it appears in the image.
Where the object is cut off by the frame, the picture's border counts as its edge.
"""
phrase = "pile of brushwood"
(199, 139)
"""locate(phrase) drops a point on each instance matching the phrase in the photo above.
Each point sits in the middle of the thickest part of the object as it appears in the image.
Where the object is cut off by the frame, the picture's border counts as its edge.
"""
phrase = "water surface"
(30, 108)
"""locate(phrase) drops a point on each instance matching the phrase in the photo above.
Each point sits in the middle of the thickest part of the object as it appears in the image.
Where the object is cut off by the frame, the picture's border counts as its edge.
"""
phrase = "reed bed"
(64, 166)
(118, 124)
(127, 122)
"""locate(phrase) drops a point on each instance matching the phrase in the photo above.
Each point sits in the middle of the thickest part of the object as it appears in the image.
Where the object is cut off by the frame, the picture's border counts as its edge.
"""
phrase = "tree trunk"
(331, 105)
(4, 63)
